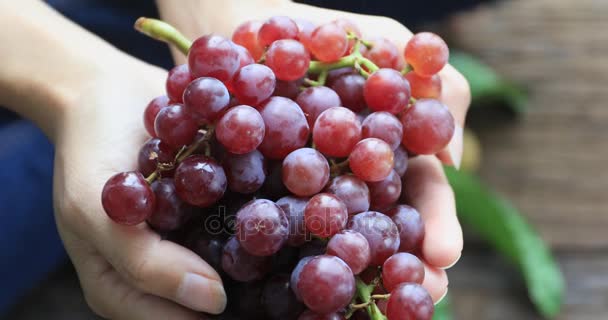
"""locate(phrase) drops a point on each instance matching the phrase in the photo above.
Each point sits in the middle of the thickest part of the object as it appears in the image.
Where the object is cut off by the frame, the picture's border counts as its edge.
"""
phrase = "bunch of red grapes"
(285, 174)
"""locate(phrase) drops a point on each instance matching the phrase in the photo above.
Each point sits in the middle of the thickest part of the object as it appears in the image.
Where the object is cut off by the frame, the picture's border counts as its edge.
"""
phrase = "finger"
(427, 189)
(435, 282)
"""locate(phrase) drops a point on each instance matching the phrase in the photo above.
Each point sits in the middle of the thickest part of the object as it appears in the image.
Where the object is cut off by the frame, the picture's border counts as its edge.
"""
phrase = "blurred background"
(549, 160)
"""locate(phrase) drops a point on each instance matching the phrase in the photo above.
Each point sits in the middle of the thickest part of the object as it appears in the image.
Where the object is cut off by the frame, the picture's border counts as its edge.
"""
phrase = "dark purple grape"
(200, 181)
(286, 259)
(209, 249)
(400, 160)
(206, 99)
(152, 111)
(152, 153)
(410, 225)
(352, 247)
(294, 209)
(325, 215)
(288, 89)
(286, 128)
(248, 301)
(309, 315)
(242, 266)
(384, 126)
(127, 198)
(273, 187)
(349, 88)
(178, 79)
(174, 126)
(401, 268)
(279, 300)
(410, 301)
(352, 191)
(262, 227)
(246, 172)
(385, 193)
(381, 234)
(170, 212)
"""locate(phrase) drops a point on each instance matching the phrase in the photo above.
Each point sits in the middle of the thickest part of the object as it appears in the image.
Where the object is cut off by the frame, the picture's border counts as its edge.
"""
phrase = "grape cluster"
(278, 157)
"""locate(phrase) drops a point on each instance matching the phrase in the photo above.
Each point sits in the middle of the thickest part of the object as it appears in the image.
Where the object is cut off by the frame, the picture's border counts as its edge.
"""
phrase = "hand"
(125, 272)
(427, 186)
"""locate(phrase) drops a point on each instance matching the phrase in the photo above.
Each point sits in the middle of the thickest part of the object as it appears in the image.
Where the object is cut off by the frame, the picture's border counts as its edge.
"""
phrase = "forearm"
(47, 61)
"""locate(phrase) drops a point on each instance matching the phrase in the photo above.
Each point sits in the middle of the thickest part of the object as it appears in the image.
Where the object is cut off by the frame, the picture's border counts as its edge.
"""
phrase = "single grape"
(152, 111)
(213, 56)
(246, 35)
(424, 87)
(428, 126)
(400, 160)
(305, 172)
(329, 42)
(242, 266)
(245, 57)
(294, 279)
(381, 234)
(262, 227)
(387, 90)
(253, 84)
(246, 172)
(206, 98)
(336, 131)
(326, 284)
(174, 126)
(279, 300)
(352, 247)
(349, 88)
(410, 301)
(427, 53)
(241, 129)
(209, 249)
(200, 181)
(334, 74)
(410, 225)
(277, 28)
(127, 198)
(309, 315)
(325, 215)
(385, 193)
(170, 212)
(383, 53)
(178, 79)
(384, 126)
(315, 100)
(371, 160)
(401, 268)
(352, 191)
(305, 30)
(152, 153)
(288, 89)
(294, 209)
(286, 128)
(289, 59)
(349, 27)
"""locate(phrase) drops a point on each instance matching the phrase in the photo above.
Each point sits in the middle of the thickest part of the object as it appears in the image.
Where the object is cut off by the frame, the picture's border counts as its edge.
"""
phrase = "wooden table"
(552, 162)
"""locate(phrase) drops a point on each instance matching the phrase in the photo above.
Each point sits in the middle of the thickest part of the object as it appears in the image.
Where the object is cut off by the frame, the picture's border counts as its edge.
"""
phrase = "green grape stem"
(163, 31)
(364, 293)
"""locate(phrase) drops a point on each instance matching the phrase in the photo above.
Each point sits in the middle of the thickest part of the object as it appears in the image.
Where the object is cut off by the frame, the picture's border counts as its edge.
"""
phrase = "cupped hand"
(125, 272)
(426, 186)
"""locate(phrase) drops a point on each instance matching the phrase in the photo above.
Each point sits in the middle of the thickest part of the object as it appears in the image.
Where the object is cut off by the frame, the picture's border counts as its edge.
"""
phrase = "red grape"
(277, 28)
(352, 247)
(400, 160)
(410, 301)
(295, 275)
(152, 153)
(262, 227)
(337, 130)
(245, 57)
(371, 160)
(381, 234)
(213, 56)
(305, 172)
(383, 53)
(428, 127)
(384, 126)
(385, 193)
(352, 191)
(305, 30)
(152, 111)
(387, 90)
(294, 209)
(400, 268)
(349, 27)
(315, 100)
(289, 59)
(178, 79)
(326, 284)
(286, 127)
(253, 84)
(424, 87)
(206, 98)
(241, 129)
(246, 172)
(242, 266)
(170, 212)
(410, 225)
(279, 300)
(246, 35)
(174, 126)
(334, 74)
(325, 215)
(127, 198)
(200, 181)
(328, 42)
(427, 53)
(288, 89)
(349, 88)
(309, 315)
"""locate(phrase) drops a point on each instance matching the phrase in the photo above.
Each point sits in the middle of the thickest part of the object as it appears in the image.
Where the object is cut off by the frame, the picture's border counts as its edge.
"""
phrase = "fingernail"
(453, 263)
(445, 294)
(455, 147)
(202, 294)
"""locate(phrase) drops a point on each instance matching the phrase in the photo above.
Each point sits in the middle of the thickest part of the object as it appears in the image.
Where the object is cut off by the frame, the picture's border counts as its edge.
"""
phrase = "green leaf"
(498, 222)
(442, 310)
(487, 85)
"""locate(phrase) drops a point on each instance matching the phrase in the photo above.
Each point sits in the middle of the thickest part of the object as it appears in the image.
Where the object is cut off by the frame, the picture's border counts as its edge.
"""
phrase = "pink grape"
(410, 301)
(427, 53)
(206, 99)
(277, 28)
(315, 100)
(384, 126)
(245, 57)
(428, 126)
(246, 35)
(325, 215)
(400, 160)
(352, 191)
(410, 225)
(424, 87)
(178, 79)
(381, 234)
(213, 56)
(289, 59)
(305, 172)
(253, 84)
(371, 160)
(241, 129)
(352, 247)
(336, 131)
(262, 227)
(401, 268)
(387, 90)
(152, 111)
(383, 53)
(286, 127)
(328, 42)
